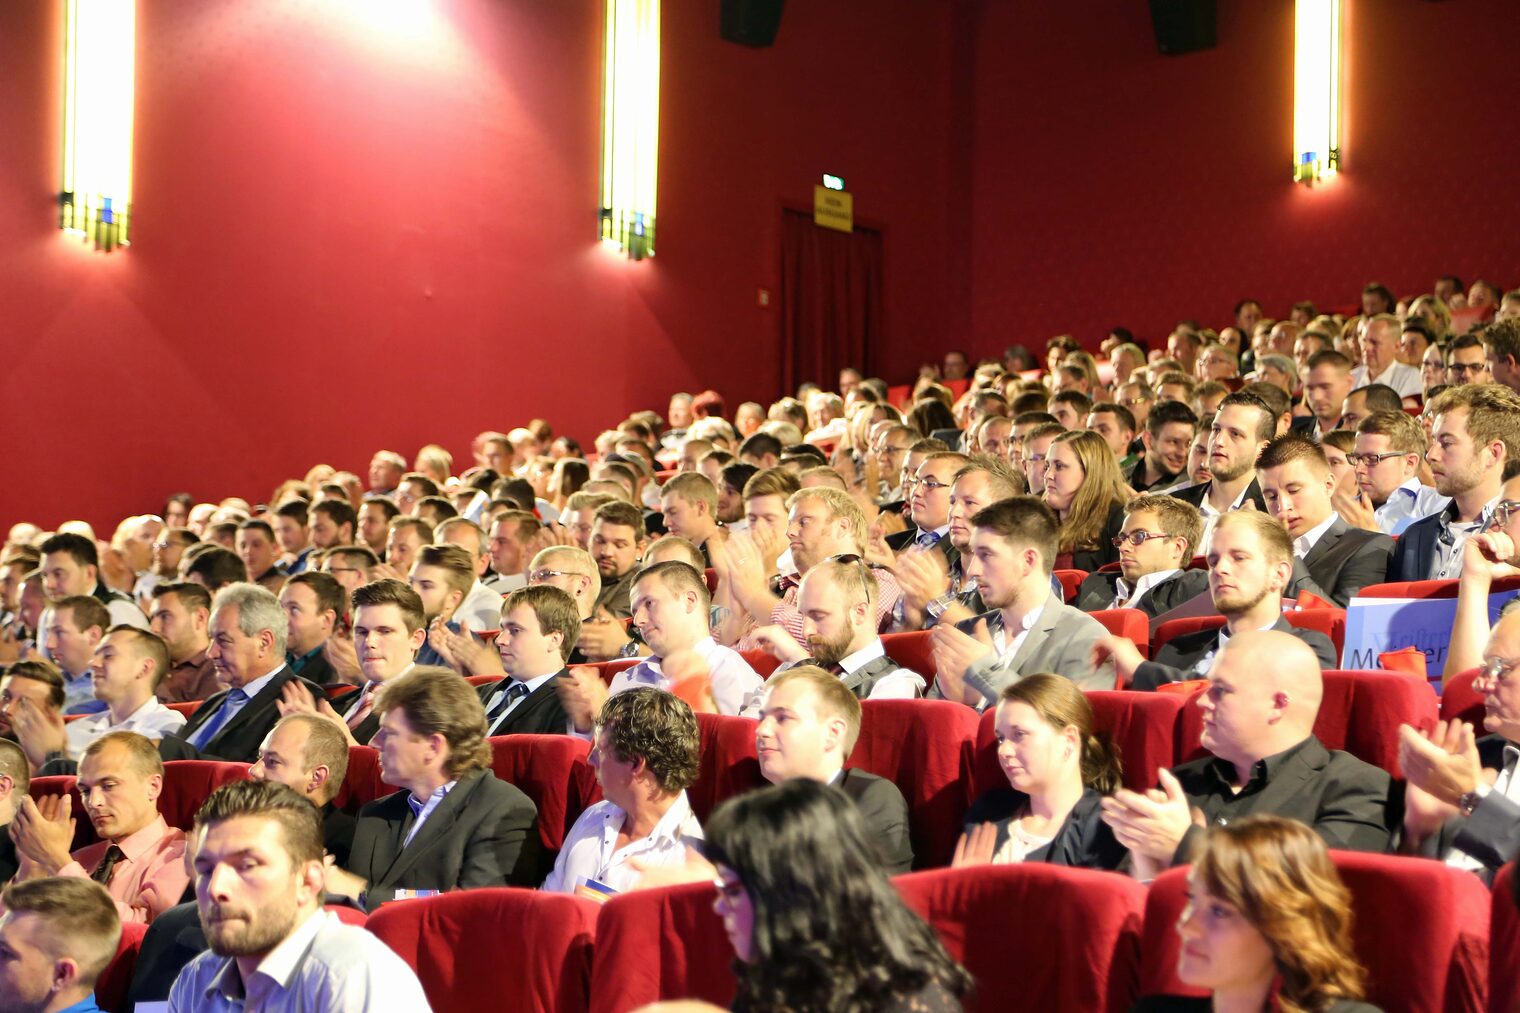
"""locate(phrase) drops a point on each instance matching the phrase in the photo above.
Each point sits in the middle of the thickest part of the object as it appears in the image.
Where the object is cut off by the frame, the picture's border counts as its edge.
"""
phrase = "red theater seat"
(925, 748)
(1460, 700)
(188, 783)
(660, 944)
(728, 765)
(1070, 581)
(607, 669)
(1082, 927)
(1142, 725)
(912, 651)
(763, 662)
(1421, 930)
(1429, 588)
(1504, 946)
(553, 772)
(1330, 622)
(711, 576)
(495, 949)
(1361, 713)
(1131, 624)
(363, 783)
(116, 980)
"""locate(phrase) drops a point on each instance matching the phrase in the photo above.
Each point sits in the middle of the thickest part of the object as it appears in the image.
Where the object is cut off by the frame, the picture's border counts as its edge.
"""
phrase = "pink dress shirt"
(151, 877)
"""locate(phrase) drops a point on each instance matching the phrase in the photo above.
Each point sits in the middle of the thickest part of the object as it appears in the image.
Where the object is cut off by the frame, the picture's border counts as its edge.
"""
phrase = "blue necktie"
(928, 539)
(230, 706)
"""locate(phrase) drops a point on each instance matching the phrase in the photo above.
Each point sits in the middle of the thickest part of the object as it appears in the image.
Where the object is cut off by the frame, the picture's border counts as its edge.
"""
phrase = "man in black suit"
(1167, 438)
(314, 603)
(1242, 427)
(617, 542)
(809, 721)
(1250, 563)
(1157, 543)
(539, 627)
(1265, 692)
(248, 630)
(1475, 434)
(1296, 483)
(929, 506)
(453, 826)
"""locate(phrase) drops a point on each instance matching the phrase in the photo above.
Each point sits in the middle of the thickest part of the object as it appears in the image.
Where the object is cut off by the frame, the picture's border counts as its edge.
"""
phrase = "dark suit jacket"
(239, 739)
(541, 713)
(1175, 661)
(320, 671)
(1415, 555)
(1341, 798)
(8, 861)
(1347, 559)
(1084, 840)
(1195, 494)
(483, 833)
(1097, 592)
(885, 813)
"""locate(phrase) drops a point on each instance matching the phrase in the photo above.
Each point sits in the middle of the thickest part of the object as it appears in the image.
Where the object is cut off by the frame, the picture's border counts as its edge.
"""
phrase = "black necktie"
(102, 873)
(514, 692)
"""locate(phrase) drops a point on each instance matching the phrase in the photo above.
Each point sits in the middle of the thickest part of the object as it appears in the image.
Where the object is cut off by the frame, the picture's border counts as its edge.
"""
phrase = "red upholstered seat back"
(1330, 622)
(728, 765)
(1131, 624)
(1360, 713)
(1142, 726)
(925, 748)
(607, 669)
(363, 783)
(116, 980)
(1460, 700)
(1081, 926)
(1421, 931)
(912, 651)
(659, 944)
(1504, 945)
(1070, 581)
(553, 772)
(1174, 628)
(188, 783)
(495, 949)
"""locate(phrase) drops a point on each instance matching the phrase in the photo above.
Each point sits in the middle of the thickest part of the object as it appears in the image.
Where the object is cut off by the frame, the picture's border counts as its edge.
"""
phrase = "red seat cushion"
(925, 748)
(188, 783)
(1070, 581)
(1143, 726)
(1360, 713)
(728, 765)
(553, 772)
(1133, 625)
(912, 651)
(1504, 946)
(115, 981)
(1080, 925)
(660, 944)
(495, 949)
(1460, 700)
(1421, 931)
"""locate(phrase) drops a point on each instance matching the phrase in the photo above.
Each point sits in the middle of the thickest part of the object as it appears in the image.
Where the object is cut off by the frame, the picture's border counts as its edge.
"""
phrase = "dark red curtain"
(831, 300)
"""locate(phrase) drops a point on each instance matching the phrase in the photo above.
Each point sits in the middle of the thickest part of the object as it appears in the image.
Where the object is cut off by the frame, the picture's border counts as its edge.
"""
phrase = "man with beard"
(617, 542)
(258, 884)
(1242, 428)
(837, 601)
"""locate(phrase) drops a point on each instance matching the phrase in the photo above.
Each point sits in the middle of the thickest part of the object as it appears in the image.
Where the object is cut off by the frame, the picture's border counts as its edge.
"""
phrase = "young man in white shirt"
(645, 755)
(129, 663)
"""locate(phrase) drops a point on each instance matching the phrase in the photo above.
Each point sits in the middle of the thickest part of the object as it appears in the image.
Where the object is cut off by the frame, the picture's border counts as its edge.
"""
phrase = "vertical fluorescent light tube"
(1316, 89)
(100, 41)
(631, 125)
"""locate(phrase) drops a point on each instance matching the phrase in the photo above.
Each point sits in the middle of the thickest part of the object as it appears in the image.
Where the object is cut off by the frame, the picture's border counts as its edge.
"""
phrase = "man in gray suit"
(1029, 630)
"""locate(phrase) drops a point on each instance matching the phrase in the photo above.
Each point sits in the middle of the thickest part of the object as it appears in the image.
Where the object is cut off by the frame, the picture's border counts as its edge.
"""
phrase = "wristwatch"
(1469, 800)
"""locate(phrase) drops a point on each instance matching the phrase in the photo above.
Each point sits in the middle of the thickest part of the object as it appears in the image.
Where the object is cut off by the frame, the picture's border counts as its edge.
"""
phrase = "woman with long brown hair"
(1086, 489)
(1267, 926)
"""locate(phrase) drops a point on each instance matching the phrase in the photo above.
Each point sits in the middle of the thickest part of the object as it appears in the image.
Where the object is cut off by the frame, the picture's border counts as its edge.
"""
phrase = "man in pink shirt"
(140, 859)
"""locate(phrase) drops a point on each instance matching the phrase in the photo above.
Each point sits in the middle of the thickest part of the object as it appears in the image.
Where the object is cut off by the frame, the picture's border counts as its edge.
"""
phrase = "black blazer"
(1347, 559)
(320, 671)
(541, 713)
(1098, 590)
(1415, 555)
(1104, 552)
(1195, 494)
(1175, 661)
(885, 813)
(238, 740)
(483, 833)
(8, 861)
(1084, 840)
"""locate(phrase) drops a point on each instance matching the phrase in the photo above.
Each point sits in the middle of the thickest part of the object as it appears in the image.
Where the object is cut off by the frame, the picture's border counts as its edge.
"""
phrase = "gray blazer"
(1061, 641)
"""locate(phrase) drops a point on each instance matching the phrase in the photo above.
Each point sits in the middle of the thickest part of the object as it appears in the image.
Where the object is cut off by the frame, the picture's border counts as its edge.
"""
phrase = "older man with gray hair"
(248, 631)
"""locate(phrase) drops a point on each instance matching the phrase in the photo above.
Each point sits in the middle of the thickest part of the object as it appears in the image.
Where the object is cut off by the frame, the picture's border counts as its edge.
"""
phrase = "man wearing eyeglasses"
(891, 450)
(1466, 362)
(929, 506)
(1155, 545)
(1389, 495)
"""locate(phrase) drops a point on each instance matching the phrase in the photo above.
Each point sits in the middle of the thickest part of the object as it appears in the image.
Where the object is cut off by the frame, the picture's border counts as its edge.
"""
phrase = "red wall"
(366, 223)
(1112, 185)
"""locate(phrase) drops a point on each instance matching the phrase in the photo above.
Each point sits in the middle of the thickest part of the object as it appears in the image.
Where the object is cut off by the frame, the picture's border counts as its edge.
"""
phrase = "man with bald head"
(1264, 693)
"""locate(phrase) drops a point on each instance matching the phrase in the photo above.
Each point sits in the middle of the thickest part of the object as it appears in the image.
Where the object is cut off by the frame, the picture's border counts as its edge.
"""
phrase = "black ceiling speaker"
(751, 22)
(1183, 26)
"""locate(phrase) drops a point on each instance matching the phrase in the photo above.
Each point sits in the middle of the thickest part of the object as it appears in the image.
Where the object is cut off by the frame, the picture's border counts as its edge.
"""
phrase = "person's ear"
(319, 775)
(418, 638)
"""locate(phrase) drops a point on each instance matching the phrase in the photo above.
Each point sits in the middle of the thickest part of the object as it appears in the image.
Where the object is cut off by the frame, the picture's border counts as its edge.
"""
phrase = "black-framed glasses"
(1372, 460)
(1138, 537)
(1466, 368)
(932, 484)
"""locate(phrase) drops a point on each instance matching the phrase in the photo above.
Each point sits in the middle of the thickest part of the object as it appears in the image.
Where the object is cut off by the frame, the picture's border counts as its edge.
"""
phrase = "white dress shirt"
(733, 680)
(903, 684)
(1005, 647)
(152, 720)
(590, 851)
(1124, 596)
(1402, 378)
(1408, 503)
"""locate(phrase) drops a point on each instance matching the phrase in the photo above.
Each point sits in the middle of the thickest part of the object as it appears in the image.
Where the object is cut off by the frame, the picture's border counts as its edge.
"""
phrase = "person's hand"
(441, 639)
(11, 646)
(43, 830)
(581, 694)
(1122, 652)
(746, 559)
(341, 655)
(603, 636)
(1487, 556)
(385, 571)
(1152, 824)
(976, 846)
(1353, 505)
(778, 643)
(38, 730)
(549, 535)
(770, 544)
(295, 698)
(690, 679)
(954, 651)
(923, 575)
(1423, 816)
(1444, 763)
(341, 881)
(877, 551)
